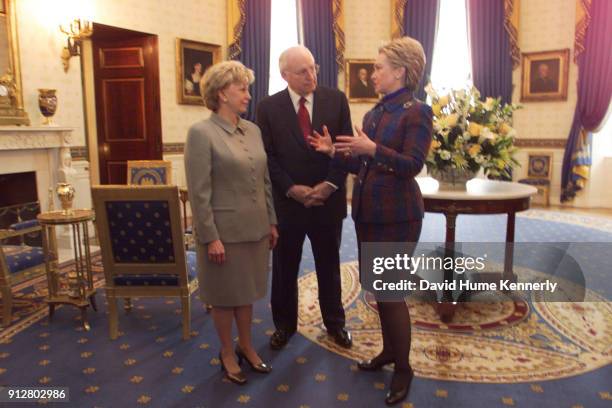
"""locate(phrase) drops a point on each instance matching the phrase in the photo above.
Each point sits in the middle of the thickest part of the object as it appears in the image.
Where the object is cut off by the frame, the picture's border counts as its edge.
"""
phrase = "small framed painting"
(192, 60)
(359, 86)
(545, 76)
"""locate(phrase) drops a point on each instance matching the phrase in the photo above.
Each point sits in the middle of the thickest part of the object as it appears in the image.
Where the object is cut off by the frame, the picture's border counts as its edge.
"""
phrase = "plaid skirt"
(398, 232)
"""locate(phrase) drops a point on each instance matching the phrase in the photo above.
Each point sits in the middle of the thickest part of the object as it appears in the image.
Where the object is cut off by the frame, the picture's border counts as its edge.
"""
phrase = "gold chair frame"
(102, 194)
(8, 280)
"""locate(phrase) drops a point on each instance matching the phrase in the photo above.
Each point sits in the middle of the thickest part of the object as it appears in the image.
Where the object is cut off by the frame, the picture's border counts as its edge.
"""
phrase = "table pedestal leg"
(509, 252)
(445, 308)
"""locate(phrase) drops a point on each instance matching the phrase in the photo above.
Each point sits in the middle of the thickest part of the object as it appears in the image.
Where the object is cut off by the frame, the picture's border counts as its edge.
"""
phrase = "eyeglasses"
(314, 70)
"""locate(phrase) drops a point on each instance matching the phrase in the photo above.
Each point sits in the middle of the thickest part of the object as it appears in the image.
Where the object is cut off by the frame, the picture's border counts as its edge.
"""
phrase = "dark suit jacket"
(385, 191)
(291, 161)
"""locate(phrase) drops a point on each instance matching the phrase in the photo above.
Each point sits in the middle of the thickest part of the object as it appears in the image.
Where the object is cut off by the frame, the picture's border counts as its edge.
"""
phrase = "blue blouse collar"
(395, 100)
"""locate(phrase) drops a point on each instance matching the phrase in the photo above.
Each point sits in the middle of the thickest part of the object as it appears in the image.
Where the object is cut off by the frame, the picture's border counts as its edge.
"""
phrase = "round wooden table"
(81, 291)
(480, 197)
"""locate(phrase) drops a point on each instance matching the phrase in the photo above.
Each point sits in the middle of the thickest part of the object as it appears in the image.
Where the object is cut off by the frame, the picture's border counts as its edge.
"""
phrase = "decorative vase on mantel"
(47, 103)
(452, 179)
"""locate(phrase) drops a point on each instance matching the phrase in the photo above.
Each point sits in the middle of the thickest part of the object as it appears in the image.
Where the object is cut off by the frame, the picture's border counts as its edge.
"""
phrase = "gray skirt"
(240, 280)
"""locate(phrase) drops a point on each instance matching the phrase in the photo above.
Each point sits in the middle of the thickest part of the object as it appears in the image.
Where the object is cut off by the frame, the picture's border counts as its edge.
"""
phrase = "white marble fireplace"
(45, 151)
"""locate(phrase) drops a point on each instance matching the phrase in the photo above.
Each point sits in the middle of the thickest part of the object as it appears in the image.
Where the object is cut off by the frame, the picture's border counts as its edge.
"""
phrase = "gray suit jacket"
(227, 177)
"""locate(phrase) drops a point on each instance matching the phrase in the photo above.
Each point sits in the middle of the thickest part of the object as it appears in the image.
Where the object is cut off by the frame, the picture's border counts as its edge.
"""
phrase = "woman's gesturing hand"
(357, 145)
(216, 252)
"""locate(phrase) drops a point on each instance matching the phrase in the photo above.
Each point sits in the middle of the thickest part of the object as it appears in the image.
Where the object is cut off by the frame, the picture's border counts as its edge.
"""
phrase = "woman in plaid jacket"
(387, 205)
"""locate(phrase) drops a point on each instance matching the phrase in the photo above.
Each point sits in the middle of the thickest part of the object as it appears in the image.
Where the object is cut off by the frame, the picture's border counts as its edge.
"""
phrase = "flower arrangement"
(470, 134)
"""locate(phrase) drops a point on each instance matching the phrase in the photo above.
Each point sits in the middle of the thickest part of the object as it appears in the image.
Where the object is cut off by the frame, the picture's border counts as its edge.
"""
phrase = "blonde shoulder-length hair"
(220, 76)
(408, 53)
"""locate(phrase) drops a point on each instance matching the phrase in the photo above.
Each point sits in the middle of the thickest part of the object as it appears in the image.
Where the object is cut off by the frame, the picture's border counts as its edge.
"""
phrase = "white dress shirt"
(295, 99)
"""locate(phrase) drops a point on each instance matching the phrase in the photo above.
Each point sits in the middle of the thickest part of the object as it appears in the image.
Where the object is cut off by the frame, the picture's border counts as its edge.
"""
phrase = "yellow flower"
(436, 109)
(474, 129)
(505, 129)
(500, 164)
(434, 145)
(474, 150)
(443, 101)
(451, 120)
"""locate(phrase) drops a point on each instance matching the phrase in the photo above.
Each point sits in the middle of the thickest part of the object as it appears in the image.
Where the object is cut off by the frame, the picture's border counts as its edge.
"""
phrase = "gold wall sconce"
(76, 31)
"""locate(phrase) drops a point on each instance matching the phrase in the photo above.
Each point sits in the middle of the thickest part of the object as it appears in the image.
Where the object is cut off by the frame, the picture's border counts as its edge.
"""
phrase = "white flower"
(445, 154)
(485, 133)
(479, 158)
(431, 91)
(488, 105)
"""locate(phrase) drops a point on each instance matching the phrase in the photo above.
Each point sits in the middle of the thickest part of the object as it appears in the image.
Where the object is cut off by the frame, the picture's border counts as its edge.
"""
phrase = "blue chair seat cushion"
(160, 280)
(21, 257)
(24, 225)
(535, 182)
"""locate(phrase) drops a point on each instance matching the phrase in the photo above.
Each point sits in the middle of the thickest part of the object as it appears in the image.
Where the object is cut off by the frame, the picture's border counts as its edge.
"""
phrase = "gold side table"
(80, 292)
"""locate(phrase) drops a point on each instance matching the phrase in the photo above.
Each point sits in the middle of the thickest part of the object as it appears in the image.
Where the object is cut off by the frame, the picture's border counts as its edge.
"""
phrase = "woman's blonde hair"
(408, 53)
(220, 76)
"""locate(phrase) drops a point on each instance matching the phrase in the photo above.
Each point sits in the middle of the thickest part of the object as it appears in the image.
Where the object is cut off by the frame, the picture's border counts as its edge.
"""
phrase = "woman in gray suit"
(231, 202)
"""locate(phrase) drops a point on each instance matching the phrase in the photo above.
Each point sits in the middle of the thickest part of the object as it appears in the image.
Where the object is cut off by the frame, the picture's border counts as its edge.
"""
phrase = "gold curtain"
(338, 17)
(583, 18)
(511, 24)
(397, 18)
(582, 155)
(236, 17)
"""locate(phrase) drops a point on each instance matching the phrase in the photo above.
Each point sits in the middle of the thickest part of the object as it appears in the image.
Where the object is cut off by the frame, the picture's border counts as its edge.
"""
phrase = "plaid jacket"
(385, 190)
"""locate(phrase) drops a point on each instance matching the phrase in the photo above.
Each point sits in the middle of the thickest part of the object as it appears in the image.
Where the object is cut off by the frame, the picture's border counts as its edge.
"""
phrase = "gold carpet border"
(540, 347)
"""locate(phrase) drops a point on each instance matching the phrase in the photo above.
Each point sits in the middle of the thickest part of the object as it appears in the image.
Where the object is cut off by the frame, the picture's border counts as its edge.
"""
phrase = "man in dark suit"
(309, 193)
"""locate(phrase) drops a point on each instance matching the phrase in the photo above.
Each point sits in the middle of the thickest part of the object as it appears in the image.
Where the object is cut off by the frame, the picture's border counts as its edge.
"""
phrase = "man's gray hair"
(282, 60)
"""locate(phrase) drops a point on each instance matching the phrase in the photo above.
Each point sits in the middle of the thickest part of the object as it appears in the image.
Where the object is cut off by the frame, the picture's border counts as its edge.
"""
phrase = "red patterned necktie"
(304, 119)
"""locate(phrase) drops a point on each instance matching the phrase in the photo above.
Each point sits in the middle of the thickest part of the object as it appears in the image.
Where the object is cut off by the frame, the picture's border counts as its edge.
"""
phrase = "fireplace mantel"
(35, 137)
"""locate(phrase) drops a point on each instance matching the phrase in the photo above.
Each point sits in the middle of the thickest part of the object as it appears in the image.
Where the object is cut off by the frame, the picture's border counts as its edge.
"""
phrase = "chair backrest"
(149, 172)
(140, 231)
(539, 165)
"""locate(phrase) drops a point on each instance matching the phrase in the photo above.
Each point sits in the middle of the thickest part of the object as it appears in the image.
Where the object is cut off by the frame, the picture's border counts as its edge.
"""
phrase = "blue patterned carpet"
(149, 365)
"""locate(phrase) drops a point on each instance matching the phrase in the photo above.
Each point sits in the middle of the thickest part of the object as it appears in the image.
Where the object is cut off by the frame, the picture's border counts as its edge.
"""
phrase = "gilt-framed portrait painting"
(359, 86)
(545, 75)
(192, 60)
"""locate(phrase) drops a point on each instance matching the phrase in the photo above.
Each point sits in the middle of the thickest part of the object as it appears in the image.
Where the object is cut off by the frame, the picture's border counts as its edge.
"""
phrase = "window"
(283, 34)
(451, 67)
(602, 140)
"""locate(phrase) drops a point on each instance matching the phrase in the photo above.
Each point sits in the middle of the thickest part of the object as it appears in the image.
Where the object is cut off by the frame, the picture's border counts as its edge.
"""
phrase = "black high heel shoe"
(400, 386)
(376, 363)
(237, 378)
(261, 368)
